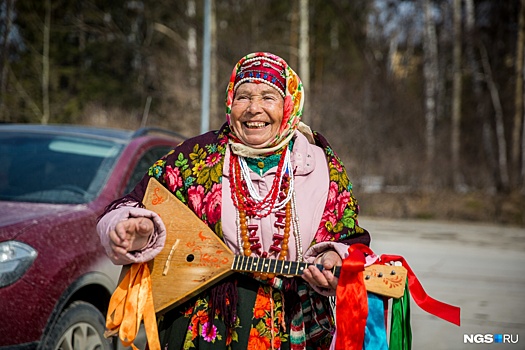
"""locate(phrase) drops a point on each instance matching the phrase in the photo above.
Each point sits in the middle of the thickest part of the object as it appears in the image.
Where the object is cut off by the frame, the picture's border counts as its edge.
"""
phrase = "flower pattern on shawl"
(212, 204)
(339, 220)
(173, 178)
(196, 199)
(195, 177)
(336, 205)
(156, 169)
(205, 168)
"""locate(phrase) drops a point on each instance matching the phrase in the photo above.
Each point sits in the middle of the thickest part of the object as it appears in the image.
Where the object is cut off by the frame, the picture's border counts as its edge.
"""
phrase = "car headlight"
(15, 259)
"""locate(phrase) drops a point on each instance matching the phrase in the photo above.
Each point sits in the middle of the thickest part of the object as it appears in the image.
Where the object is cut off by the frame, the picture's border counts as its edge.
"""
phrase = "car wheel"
(80, 327)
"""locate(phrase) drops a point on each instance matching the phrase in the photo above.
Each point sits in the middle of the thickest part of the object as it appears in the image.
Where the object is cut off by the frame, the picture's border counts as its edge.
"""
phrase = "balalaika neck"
(274, 266)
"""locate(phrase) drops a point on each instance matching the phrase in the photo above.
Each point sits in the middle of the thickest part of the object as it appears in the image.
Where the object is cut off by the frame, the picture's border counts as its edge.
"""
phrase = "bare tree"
(4, 53)
(192, 43)
(498, 116)
(471, 43)
(518, 96)
(431, 74)
(45, 63)
(456, 98)
(304, 49)
(214, 74)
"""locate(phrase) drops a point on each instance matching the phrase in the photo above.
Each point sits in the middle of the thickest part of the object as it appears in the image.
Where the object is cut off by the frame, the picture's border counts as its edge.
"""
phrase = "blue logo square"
(498, 338)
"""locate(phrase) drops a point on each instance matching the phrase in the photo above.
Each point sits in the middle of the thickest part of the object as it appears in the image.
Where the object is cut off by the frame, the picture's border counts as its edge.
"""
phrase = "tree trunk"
(214, 94)
(518, 99)
(498, 116)
(192, 43)
(4, 54)
(45, 64)
(293, 61)
(477, 80)
(456, 99)
(430, 70)
(304, 55)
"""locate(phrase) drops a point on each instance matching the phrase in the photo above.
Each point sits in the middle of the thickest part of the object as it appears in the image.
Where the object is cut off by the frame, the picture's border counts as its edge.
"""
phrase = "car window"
(145, 162)
(54, 168)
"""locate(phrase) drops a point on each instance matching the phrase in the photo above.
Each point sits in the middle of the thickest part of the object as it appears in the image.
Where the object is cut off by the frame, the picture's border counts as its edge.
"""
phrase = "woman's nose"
(255, 105)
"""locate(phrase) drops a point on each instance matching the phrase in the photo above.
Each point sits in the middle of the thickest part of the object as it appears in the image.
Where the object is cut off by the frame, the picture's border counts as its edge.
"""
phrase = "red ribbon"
(352, 300)
(422, 299)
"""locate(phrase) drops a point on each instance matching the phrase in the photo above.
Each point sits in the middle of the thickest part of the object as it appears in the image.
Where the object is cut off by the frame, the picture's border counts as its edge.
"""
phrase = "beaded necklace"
(240, 192)
(280, 200)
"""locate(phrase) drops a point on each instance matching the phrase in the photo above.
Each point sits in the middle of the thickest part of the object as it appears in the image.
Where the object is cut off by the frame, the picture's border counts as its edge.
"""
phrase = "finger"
(145, 226)
(117, 238)
(331, 259)
(317, 277)
(118, 251)
(122, 230)
(331, 279)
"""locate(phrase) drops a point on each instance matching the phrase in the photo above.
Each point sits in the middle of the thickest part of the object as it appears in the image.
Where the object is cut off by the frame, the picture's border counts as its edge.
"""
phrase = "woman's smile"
(255, 125)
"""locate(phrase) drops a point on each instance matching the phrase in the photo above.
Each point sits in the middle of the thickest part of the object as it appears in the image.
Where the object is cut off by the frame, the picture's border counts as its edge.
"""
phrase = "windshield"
(54, 168)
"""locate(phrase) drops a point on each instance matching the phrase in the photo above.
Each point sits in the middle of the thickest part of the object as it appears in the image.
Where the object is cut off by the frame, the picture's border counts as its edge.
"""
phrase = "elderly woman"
(267, 186)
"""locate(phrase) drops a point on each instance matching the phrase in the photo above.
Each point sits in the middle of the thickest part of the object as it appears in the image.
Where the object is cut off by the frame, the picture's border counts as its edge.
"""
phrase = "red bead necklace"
(241, 197)
(248, 207)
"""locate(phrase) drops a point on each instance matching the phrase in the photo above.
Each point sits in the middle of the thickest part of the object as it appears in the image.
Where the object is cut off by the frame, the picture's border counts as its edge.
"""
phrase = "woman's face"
(256, 114)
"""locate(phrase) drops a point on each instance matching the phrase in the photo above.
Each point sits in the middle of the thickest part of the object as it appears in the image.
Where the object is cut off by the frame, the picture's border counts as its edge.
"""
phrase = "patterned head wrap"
(269, 69)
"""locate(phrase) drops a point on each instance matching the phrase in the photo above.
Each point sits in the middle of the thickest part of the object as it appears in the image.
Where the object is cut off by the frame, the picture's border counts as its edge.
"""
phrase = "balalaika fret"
(194, 258)
(277, 267)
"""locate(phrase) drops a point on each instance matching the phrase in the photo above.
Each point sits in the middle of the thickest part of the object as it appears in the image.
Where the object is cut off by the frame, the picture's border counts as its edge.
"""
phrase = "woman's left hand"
(323, 282)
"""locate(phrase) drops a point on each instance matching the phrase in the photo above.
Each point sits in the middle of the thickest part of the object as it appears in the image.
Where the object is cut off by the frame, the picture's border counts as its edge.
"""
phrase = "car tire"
(80, 327)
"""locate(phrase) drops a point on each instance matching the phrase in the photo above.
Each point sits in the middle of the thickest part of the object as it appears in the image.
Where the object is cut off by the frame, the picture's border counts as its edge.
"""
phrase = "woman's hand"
(129, 235)
(323, 282)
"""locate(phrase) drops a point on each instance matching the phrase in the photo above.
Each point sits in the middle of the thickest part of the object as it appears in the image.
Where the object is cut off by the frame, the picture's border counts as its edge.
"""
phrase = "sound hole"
(190, 258)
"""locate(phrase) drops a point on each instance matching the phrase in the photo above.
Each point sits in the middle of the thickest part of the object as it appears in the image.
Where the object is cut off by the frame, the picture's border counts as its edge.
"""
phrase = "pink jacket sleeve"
(156, 241)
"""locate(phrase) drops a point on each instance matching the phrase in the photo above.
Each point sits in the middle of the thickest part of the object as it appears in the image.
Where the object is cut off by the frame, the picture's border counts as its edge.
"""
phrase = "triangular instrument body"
(193, 257)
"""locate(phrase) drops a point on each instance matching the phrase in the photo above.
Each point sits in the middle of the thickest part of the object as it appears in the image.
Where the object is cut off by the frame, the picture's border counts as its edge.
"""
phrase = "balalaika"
(194, 258)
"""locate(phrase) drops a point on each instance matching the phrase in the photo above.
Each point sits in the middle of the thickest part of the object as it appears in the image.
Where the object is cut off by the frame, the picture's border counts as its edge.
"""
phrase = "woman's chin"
(256, 142)
(256, 139)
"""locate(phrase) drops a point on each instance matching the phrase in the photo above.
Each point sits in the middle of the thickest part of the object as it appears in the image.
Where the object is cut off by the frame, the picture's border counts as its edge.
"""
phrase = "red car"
(55, 180)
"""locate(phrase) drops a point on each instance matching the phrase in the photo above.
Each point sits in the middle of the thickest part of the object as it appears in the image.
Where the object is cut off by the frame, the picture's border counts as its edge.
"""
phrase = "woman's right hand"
(130, 235)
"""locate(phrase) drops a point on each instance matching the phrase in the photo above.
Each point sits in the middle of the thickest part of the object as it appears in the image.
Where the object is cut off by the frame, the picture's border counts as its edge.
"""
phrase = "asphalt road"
(478, 267)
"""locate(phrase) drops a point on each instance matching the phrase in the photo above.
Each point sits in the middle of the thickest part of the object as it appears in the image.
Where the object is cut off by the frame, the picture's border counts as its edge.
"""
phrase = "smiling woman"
(270, 188)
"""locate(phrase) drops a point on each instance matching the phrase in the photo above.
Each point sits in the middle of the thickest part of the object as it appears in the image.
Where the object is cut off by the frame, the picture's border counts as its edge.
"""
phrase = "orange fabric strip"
(131, 303)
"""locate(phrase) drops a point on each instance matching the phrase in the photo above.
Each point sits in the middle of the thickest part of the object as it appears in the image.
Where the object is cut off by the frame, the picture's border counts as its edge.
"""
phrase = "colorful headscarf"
(270, 69)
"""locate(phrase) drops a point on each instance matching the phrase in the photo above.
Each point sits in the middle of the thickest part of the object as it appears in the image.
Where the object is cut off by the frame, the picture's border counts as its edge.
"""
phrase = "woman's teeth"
(255, 125)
